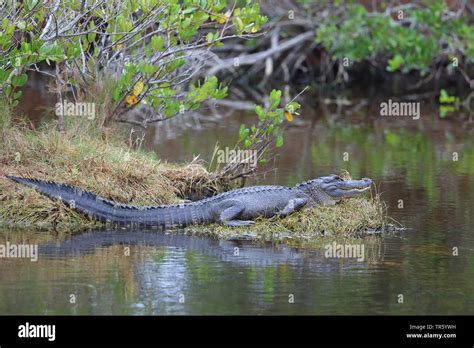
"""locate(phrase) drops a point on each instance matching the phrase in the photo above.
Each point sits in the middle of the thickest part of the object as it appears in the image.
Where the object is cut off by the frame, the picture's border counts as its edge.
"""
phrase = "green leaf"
(189, 10)
(395, 63)
(116, 93)
(21, 25)
(91, 37)
(241, 132)
(292, 107)
(445, 109)
(19, 80)
(17, 95)
(275, 97)
(259, 112)
(46, 48)
(279, 141)
(445, 98)
(157, 42)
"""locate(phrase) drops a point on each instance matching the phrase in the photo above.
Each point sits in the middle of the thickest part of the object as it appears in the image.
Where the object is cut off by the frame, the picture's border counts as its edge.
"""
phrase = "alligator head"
(328, 190)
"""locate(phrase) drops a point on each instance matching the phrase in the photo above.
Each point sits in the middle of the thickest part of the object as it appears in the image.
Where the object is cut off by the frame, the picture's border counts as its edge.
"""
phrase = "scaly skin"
(234, 208)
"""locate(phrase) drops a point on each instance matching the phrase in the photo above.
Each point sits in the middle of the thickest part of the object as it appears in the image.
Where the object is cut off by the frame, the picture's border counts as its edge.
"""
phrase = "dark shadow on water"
(240, 252)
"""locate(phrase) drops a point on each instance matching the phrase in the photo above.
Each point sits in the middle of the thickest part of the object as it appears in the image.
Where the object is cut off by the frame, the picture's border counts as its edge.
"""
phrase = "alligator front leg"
(229, 216)
(292, 206)
(237, 223)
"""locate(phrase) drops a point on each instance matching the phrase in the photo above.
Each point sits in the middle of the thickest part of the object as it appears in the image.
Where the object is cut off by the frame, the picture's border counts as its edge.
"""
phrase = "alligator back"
(98, 208)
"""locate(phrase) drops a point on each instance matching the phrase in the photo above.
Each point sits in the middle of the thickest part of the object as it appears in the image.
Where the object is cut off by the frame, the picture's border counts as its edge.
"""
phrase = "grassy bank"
(83, 157)
(353, 218)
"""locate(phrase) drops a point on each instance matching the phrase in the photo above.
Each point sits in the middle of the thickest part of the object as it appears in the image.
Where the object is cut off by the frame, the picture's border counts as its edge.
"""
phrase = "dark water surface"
(410, 160)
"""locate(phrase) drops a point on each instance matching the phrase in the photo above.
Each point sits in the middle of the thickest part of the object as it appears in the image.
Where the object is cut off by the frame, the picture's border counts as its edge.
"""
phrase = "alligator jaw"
(353, 188)
(354, 192)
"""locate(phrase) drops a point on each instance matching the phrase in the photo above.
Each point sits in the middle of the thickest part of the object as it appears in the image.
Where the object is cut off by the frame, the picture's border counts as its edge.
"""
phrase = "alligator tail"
(101, 209)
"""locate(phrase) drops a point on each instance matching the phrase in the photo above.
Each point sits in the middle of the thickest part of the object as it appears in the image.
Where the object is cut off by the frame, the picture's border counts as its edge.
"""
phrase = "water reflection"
(139, 272)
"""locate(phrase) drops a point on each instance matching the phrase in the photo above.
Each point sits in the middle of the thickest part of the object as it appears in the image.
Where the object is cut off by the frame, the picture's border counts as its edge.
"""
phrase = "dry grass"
(194, 182)
(82, 158)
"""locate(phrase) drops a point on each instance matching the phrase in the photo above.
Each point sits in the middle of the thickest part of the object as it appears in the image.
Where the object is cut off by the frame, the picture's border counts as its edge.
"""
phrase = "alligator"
(237, 207)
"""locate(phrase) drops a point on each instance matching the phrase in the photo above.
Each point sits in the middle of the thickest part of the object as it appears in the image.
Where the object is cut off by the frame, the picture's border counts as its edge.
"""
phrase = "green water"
(143, 273)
